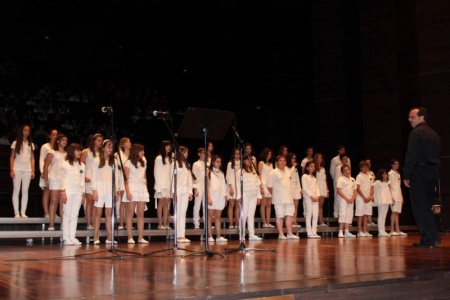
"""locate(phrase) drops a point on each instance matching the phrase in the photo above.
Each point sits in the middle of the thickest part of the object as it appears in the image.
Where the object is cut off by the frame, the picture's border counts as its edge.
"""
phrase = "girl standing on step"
(162, 171)
(21, 163)
(217, 197)
(52, 177)
(311, 198)
(292, 166)
(265, 166)
(53, 134)
(121, 157)
(233, 168)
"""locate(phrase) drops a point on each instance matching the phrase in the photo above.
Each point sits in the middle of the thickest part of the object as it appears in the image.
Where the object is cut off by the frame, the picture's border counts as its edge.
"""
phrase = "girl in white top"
(383, 198)
(21, 164)
(309, 157)
(311, 198)
(321, 177)
(346, 190)
(233, 168)
(102, 189)
(291, 165)
(136, 189)
(42, 155)
(265, 166)
(198, 169)
(396, 190)
(279, 185)
(250, 197)
(364, 197)
(184, 194)
(338, 173)
(72, 192)
(52, 176)
(217, 196)
(121, 157)
(162, 172)
(87, 157)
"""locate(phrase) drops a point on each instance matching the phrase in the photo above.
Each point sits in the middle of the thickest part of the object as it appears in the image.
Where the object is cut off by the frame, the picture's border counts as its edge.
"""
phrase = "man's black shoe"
(417, 245)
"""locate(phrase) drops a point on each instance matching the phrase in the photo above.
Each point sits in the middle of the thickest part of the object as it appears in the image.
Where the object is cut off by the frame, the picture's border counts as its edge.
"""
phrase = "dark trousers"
(423, 182)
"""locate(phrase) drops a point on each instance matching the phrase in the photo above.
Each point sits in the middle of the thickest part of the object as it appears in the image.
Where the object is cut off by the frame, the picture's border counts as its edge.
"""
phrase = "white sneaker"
(265, 225)
(76, 242)
(401, 233)
(142, 241)
(368, 234)
(282, 237)
(383, 234)
(121, 227)
(393, 233)
(292, 237)
(168, 227)
(183, 240)
(197, 227)
(254, 238)
(51, 229)
(340, 234)
(130, 241)
(361, 234)
(96, 242)
(322, 225)
(68, 243)
(109, 242)
(349, 235)
(211, 239)
(316, 236)
(335, 214)
(90, 227)
(271, 226)
(221, 239)
(373, 224)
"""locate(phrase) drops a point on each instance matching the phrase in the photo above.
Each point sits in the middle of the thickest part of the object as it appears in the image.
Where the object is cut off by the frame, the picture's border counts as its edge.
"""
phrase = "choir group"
(99, 179)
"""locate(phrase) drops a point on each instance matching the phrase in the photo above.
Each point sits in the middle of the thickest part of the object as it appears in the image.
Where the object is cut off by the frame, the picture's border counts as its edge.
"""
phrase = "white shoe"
(167, 227)
(197, 227)
(322, 225)
(349, 235)
(282, 237)
(393, 233)
(336, 215)
(254, 238)
(47, 216)
(292, 237)
(76, 242)
(232, 227)
(96, 242)
(130, 241)
(373, 224)
(368, 234)
(340, 234)
(51, 229)
(109, 242)
(90, 227)
(211, 239)
(361, 234)
(183, 240)
(142, 241)
(221, 239)
(121, 227)
(68, 243)
(271, 226)
(316, 236)
(401, 233)
(383, 234)
(266, 226)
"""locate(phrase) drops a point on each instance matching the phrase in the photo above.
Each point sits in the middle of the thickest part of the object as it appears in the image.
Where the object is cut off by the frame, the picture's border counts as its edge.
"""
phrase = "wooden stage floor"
(362, 268)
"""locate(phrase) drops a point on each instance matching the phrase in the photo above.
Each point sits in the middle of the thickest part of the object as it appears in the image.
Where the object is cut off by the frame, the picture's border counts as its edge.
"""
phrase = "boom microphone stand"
(175, 196)
(242, 246)
(113, 139)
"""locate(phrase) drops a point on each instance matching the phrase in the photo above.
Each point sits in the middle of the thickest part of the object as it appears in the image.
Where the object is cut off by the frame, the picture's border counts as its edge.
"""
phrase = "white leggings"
(24, 178)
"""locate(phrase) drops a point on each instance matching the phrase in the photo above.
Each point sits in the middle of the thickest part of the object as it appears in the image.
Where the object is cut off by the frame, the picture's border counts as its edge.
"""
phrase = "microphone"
(106, 109)
(160, 113)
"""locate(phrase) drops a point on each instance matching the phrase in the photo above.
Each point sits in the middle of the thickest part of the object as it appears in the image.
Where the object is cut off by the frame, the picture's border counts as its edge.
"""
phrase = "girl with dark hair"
(121, 157)
(21, 163)
(323, 185)
(311, 194)
(232, 176)
(292, 167)
(383, 197)
(102, 190)
(52, 176)
(53, 134)
(163, 180)
(72, 192)
(265, 166)
(136, 189)
(217, 197)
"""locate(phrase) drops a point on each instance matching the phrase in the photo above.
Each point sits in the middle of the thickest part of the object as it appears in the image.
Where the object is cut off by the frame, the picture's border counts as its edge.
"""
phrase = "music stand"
(201, 123)
(242, 246)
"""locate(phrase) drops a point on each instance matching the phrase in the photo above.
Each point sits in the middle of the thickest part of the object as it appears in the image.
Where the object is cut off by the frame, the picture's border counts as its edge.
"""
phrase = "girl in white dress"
(163, 181)
(217, 197)
(121, 157)
(21, 163)
(265, 166)
(311, 198)
(346, 190)
(321, 177)
(136, 190)
(102, 189)
(42, 155)
(52, 176)
(72, 192)
(395, 184)
(233, 168)
(87, 157)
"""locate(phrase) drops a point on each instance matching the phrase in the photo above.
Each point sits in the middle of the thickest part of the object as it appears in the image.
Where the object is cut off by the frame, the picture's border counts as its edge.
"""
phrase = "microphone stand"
(113, 139)
(242, 246)
(175, 196)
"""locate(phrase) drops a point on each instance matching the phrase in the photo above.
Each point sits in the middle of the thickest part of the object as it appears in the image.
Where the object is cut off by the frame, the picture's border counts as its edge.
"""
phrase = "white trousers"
(70, 219)
(382, 213)
(182, 205)
(21, 178)
(198, 204)
(311, 215)
(249, 204)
